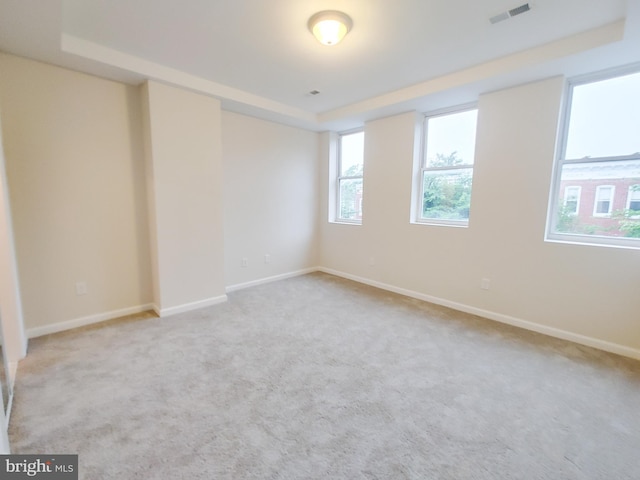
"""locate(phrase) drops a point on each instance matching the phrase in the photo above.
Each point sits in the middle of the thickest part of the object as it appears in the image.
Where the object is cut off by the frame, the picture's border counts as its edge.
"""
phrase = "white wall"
(270, 198)
(75, 169)
(568, 290)
(184, 163)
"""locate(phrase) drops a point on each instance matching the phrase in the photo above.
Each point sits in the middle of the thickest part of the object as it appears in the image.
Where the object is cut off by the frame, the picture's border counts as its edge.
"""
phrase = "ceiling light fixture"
(330, 26)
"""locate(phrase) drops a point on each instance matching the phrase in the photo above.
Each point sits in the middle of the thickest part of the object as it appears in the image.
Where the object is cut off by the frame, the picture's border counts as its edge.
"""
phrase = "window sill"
(345, 222)
(442, 223)
(594, 240)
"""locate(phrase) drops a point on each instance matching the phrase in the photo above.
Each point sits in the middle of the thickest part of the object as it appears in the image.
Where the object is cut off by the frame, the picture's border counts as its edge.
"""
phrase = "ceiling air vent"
(510, 13)
(518, 10)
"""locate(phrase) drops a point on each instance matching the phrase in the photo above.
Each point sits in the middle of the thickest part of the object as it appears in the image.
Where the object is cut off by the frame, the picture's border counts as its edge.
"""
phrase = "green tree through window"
(447, 171)
(447, 193)
(350, 176)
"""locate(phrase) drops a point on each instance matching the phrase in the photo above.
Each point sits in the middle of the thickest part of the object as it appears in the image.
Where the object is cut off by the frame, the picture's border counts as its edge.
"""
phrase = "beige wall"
(567, 290)
(76, 178)
(271, 198)
(184, 163)
(12, 335)
(75, 166)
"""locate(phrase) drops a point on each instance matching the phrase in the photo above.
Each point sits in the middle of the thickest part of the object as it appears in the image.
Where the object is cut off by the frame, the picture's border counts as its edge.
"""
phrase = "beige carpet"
(317, 377)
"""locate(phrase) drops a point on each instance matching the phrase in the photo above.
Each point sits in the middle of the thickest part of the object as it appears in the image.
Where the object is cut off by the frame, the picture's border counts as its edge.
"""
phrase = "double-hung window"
(604, 200)
(447, 167)
(598, 162)
(572, 200)
(350, 170)
(633, 201)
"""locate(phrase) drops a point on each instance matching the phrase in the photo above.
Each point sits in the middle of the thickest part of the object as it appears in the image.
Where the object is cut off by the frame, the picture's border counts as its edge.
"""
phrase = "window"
(604, 200)
(633, 201)
(571, 200)
(598, 160)
(447, 167)
(350, 170)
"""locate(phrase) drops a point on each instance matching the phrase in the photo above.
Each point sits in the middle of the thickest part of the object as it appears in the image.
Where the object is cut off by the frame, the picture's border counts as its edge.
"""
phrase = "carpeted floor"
(317, 377)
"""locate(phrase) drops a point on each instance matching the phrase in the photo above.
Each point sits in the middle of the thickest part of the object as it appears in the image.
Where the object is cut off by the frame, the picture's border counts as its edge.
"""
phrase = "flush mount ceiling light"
(330, 26)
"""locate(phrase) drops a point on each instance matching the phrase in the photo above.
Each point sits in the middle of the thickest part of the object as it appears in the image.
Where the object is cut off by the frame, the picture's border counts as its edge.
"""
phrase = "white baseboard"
(535, 327)
(83, 321)
(207, 302)
(253, 283)
(509, 320)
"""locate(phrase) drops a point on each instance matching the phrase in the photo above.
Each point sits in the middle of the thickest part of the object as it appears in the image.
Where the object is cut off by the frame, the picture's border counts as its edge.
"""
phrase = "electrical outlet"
(485, 283)
(245, 262)
(372, 261)
(267, 258)
(81, 288)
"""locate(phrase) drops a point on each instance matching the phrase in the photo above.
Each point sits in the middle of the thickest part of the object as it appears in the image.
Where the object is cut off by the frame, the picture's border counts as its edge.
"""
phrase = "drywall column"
(11, 321)
(184, 182)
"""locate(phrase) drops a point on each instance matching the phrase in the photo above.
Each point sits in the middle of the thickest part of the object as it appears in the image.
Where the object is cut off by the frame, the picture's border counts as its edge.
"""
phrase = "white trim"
(527, 325)
(342, 221)
(441, 223)
(441, 112)
(516, 322)
(186, 307)
(593, 240)
(83, 321)
(275, 278)
(155, 308)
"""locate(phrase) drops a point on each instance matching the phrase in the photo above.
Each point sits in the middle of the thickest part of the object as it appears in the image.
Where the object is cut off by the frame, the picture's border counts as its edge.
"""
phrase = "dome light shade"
(330, 26)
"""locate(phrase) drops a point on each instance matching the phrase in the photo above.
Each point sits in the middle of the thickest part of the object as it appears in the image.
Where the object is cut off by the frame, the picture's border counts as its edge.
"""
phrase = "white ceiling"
(258, 57)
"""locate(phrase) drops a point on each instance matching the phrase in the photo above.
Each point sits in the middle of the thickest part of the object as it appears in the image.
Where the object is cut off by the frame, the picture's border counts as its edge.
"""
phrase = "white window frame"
(579, 189)
(339, 178)
(560, 161)
(630, 193)
(611, 197)
(423, 167)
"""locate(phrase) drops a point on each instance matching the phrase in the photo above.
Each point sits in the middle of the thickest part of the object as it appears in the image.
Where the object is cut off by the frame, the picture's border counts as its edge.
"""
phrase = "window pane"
(605, 118)
(447, 194)
(351, 199)
(351, 154)
(604, 190)
(451, 139)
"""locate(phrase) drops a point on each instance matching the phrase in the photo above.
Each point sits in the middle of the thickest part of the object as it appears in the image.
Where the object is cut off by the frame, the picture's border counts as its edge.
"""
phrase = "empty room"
(320, 239)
